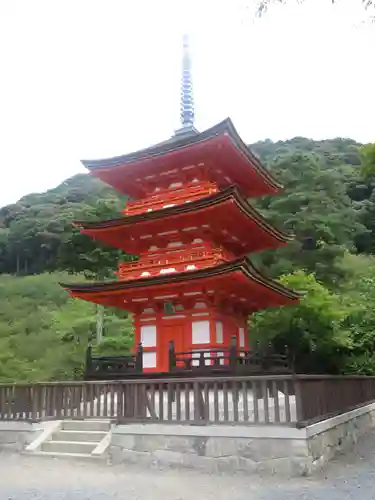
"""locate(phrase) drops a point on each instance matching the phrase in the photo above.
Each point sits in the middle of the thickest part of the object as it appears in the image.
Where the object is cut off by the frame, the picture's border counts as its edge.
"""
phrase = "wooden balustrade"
(113, 367)
(233, 360)
(200, 258)
(171, 196)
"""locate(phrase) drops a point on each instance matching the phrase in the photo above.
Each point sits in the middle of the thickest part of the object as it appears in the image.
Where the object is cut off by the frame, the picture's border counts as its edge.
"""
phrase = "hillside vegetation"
(327, 204)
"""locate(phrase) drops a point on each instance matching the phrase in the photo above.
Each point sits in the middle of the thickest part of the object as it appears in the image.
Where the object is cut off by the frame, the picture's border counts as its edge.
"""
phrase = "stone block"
(125, 441)
(268, 449)
(197, 462)
(286, 467)
(149, 443)
(222, 447)
(15, 440)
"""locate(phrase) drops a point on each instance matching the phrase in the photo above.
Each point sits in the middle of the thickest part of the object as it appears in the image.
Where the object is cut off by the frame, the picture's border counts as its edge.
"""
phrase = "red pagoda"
(191, 226)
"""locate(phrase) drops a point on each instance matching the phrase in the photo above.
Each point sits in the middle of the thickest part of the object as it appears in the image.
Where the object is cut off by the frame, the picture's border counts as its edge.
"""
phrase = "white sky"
(97, 78)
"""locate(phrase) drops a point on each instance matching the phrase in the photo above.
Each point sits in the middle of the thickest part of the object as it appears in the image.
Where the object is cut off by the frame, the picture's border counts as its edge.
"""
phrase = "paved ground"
(28, 478)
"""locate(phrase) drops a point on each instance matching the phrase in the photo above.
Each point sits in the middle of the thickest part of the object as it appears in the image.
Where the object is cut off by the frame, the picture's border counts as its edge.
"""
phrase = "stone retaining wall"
(251, 449)
(15, 436)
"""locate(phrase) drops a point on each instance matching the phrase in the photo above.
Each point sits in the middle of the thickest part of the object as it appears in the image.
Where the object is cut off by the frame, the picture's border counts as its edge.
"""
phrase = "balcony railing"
(173, 262)
(169, 197)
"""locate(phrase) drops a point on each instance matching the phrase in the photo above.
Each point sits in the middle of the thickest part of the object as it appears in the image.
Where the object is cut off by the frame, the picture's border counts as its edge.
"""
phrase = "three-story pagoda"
(191, 226)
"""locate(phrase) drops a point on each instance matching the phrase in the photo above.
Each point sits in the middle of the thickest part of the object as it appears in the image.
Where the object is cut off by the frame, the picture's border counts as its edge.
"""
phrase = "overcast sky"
(97, 78)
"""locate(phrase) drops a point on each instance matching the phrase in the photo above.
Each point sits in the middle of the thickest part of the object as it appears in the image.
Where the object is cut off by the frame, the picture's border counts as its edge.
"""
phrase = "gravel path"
(30, 478)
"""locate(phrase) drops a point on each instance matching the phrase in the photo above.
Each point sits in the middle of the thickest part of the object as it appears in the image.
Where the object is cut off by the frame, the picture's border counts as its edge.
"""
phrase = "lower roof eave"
(242, 268)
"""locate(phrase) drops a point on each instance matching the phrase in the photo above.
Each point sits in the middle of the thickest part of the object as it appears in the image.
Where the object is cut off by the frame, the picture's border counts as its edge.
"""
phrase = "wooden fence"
(262, 400)
(321, 396)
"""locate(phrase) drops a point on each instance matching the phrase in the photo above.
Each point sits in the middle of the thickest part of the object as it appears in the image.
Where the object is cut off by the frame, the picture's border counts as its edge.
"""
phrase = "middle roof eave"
(230, 193)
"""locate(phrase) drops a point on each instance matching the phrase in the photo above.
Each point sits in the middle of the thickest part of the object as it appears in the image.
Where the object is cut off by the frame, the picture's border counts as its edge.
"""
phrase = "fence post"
(139, 359)
(299, 401)
(233, 353)
(171, 355)
(88, 359)
(202, 360)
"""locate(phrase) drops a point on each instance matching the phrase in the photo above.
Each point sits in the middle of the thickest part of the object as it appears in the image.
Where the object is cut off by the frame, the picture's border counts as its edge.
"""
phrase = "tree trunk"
(99, 323)
(18, 264)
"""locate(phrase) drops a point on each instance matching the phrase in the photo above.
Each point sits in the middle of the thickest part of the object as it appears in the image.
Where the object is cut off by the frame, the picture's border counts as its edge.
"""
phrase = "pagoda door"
(174, 331)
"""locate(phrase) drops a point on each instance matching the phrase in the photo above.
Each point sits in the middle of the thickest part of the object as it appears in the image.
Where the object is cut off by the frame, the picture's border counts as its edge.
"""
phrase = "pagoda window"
(241, 337)
(196, 354)
(200, 332)
(219, 332)
(200, 305)
(148, 310)
(149, 359)
(221, 356)
(148, 335)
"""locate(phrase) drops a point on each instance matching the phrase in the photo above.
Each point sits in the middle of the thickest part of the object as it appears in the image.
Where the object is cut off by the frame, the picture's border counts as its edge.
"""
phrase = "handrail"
(216, 255)
(170, 195)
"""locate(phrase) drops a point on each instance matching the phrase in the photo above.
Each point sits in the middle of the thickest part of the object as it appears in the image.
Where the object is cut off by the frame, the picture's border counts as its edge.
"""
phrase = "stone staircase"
(74, 438)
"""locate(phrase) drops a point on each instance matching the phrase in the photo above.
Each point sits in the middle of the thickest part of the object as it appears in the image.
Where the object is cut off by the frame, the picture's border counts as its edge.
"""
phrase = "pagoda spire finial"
(187, 98)
(187, 112)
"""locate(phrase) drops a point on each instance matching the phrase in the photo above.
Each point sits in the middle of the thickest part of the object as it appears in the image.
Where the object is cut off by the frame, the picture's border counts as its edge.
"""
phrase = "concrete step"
(75, 447)
(82, 436)
(86, 425)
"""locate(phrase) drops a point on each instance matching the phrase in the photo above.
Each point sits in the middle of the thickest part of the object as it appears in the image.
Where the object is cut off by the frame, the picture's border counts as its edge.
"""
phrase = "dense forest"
(328, 204)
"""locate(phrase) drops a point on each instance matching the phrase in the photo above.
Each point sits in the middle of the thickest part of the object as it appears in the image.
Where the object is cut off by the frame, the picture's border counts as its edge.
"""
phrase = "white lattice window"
(148, 335)
(241, 337)
(219, 332)
(196, 354)
(200, 332)
(149, 359)
(221, 356)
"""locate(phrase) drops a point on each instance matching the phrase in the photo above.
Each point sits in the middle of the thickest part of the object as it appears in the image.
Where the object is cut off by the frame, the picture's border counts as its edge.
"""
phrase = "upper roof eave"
(224, 127)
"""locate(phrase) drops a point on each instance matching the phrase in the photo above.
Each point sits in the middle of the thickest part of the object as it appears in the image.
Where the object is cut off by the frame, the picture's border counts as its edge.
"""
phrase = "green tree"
(81, 254)
(368, 160)
(316, 208)
(358, 297)
(311, 330)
